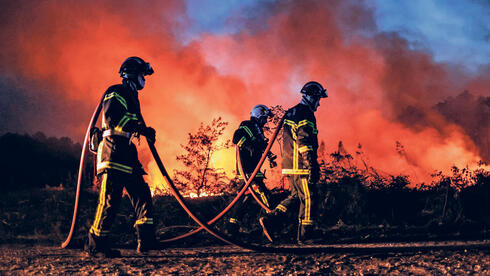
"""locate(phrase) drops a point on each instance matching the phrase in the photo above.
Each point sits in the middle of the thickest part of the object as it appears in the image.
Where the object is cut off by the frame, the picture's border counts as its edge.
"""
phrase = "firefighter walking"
(118, 164)
(251, 143)
(299, 165)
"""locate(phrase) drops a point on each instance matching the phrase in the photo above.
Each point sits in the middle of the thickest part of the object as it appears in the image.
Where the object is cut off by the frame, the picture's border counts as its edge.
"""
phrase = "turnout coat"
(300, 141)
(120, 123)
(251, 142)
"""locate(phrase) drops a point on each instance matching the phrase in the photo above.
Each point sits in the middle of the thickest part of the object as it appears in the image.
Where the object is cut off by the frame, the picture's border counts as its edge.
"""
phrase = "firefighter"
(251, 142)
(117, 161)
(299, 165)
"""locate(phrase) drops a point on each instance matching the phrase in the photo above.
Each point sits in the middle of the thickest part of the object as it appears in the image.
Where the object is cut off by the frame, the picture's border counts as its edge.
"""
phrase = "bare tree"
(272, 123)
(199, 177)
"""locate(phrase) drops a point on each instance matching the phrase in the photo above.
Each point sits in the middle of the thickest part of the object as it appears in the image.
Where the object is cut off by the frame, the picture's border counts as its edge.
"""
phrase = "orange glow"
(76, 49)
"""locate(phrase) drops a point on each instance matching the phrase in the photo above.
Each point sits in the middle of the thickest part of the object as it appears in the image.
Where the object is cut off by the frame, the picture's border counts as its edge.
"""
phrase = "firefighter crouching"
(251, 142)
(118, 164)
(300, 165)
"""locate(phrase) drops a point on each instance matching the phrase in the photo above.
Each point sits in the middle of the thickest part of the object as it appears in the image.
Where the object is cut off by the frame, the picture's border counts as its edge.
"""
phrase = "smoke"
(26, 107)
(382, 89)
(59, 56)
(473, 115)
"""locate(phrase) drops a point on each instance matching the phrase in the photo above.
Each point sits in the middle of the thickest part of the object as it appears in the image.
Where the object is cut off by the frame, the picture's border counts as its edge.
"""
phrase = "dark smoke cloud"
(64, 54)
(422, 93)
(26, 107)
(55, 56)
(382, 88)
(59, 56)
(473, 115)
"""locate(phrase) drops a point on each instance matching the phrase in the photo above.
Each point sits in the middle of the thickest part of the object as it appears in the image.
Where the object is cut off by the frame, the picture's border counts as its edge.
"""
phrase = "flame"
(202, 194)
(224, 159)
(67, 53)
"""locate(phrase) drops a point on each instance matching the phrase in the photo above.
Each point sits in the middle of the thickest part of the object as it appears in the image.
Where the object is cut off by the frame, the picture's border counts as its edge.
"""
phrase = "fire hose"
(173, 189)
(242, 191)
(182, 203)
(93, 120)
(242, 172)
(180, 199)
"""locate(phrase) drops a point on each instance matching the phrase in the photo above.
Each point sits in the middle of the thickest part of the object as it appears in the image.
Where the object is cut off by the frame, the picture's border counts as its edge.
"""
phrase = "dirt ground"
(364, 259)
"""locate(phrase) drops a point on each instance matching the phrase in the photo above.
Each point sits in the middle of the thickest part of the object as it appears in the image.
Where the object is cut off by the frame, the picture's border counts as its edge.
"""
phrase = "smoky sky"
(59, 56)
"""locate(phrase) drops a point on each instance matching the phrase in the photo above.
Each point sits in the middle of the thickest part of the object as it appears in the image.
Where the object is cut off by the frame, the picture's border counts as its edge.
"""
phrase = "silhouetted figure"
(251, 142)
(117, 161)
(300, 165)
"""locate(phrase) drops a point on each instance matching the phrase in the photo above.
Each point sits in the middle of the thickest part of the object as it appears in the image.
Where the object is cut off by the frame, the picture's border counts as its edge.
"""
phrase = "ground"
(416, 259)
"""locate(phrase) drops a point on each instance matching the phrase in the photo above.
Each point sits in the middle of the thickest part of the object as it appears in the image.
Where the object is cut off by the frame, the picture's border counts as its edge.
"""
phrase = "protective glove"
(311, 164)
(272, 159)
(150, 134)
(95, 139)
(262, 145)
(266, 141)
(314, 175)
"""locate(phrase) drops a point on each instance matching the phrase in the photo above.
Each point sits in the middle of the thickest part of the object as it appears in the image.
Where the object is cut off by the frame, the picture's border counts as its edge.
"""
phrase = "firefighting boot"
(146, 238)
(308, 234)
(270, 224)
(99, 247)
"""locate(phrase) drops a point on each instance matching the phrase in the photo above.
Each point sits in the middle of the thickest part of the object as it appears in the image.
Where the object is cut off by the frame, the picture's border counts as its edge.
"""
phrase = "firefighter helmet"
(134, 66)
(315, 89)
(260, 112)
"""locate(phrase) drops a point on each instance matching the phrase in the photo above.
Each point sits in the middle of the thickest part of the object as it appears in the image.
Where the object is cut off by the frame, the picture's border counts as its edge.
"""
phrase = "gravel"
(21, 259)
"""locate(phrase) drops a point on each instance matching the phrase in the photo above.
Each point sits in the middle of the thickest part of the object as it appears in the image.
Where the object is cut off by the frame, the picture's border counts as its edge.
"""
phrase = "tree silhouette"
(272, 123)
(199, 177)
(36, 161)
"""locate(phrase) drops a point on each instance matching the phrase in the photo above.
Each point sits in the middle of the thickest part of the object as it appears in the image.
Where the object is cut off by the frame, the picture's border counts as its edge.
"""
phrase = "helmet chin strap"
(262, 121)
(134, 83)
(307, 101)
(259, 121)
(140, 82)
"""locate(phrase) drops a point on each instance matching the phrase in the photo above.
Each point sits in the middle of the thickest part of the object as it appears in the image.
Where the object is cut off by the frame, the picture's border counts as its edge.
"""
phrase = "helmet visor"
(148, 69)
(324, 94)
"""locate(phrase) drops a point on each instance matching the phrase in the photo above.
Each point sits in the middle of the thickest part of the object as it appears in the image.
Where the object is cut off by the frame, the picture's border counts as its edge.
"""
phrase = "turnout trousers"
(111, 188)
(305, 192)
(240, 208)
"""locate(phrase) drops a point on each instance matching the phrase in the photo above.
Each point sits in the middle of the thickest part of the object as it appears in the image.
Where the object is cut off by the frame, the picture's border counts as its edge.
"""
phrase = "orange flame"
(75, 50)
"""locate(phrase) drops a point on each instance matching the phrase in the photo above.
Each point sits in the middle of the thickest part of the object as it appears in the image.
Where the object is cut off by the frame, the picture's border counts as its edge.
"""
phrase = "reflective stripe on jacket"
(250, 140)
(300, 136)
(121, 109)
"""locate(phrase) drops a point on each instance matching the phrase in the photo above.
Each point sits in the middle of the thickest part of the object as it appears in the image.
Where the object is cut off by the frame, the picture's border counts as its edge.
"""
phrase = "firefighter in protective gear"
(251, 142)
(117, 161)
(299, 164)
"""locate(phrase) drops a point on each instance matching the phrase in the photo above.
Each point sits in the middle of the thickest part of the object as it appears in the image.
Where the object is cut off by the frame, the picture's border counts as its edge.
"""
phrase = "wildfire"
(381, 90)
(224, 159)
(203, 194)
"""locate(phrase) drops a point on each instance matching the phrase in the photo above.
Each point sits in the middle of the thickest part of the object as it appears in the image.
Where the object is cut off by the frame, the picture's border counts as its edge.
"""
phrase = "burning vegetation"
(382, 89)
(396, 127)
(358, 202)
(200, 176)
